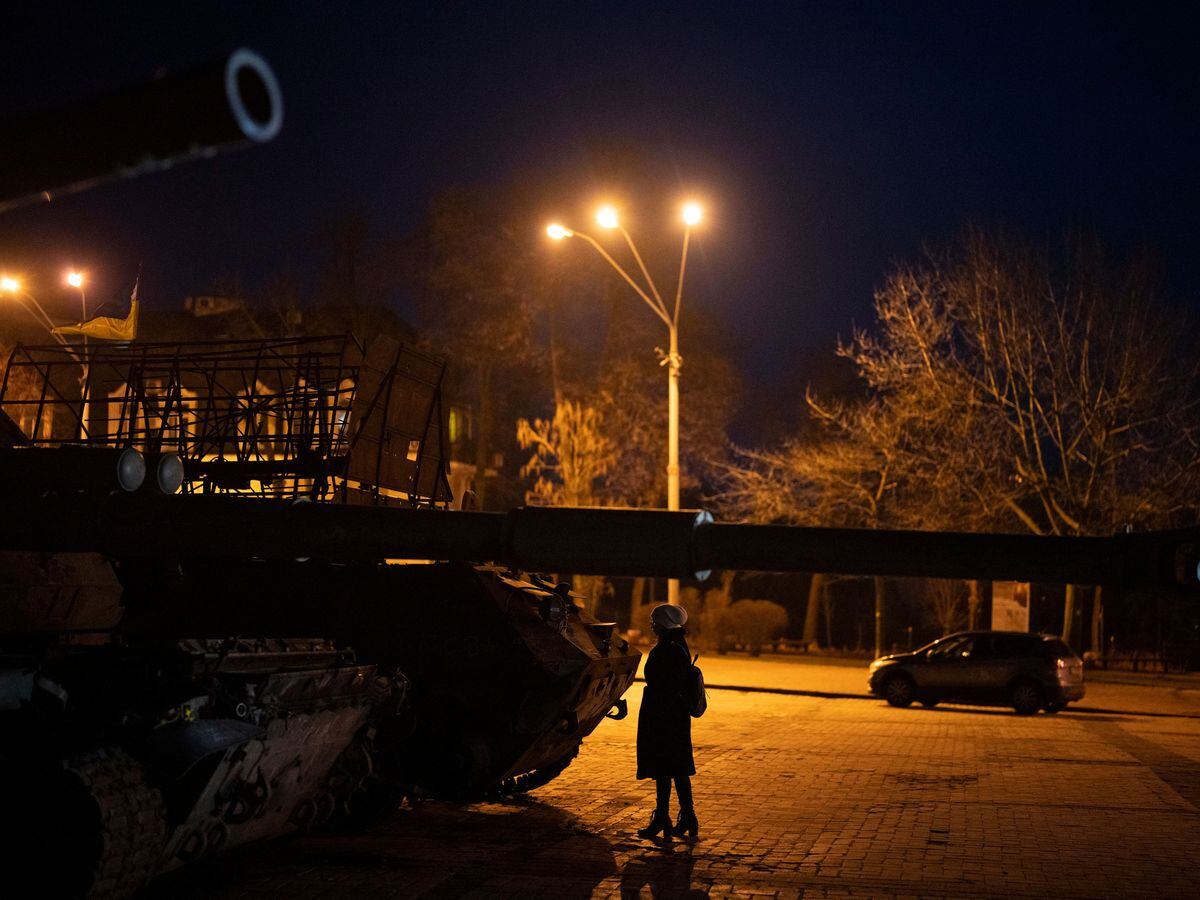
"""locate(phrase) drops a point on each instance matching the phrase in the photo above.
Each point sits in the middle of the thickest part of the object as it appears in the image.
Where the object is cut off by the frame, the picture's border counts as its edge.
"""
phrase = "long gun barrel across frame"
(143, 128)
(616, 542)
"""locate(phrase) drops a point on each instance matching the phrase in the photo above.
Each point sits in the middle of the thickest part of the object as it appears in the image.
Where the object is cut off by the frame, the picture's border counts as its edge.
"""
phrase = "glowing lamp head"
(606, 216)
(9, 285)
(692, 214)
(75, 279)
(558, 232)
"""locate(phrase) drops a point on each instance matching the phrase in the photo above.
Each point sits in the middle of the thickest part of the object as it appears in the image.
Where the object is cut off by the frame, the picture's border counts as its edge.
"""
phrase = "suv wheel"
(1025, 697)
(899, 690)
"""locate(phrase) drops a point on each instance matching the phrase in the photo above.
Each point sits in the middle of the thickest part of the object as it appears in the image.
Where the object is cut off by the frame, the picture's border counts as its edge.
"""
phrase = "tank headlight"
(131, 470)
(169, 473)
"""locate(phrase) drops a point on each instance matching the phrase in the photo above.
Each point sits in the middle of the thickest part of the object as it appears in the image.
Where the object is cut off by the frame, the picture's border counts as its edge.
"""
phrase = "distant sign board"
(1010, 606)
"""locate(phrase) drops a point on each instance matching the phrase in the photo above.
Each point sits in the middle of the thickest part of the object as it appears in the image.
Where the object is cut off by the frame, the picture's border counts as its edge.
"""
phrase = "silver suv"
(1003, 668)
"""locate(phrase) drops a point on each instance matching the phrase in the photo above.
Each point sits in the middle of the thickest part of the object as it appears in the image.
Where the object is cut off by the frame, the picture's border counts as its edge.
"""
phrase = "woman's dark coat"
(664, 736)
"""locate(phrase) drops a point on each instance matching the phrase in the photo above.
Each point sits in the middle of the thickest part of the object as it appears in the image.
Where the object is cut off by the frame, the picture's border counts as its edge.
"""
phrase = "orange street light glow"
(692, 213)
(558, 232)
(75, 279)
(9, 284)
(607, 217)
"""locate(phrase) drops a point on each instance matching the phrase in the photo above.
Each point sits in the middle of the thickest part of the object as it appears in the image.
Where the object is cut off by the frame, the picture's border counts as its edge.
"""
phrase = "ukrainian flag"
(109, 328)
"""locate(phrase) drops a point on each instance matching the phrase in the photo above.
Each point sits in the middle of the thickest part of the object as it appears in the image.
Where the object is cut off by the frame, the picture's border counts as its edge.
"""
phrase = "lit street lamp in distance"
(12, 286)
(608, 218)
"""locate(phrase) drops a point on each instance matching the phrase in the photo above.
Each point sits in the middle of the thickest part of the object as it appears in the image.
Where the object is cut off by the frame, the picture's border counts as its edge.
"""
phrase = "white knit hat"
(666, 616)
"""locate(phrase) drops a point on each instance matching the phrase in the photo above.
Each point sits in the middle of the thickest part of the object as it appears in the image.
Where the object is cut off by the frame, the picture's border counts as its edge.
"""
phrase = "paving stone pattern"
(800, 796)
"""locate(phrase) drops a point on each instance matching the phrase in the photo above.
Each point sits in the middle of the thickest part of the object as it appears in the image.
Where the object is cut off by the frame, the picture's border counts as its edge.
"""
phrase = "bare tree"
(1059, 398)
(1065, 396)
(1009, 391)
(944, 602)
(571, 457)
(852, 475)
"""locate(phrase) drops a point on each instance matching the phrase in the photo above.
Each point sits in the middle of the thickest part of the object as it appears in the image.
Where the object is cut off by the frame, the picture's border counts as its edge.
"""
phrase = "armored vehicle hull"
(465, 683)
(506, 677)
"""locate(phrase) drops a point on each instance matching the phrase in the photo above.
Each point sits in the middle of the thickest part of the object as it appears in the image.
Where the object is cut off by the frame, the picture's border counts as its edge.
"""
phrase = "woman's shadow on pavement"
(663, 867)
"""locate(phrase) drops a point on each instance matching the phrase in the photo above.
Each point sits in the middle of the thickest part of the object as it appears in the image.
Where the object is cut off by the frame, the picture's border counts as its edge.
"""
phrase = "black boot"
(660, 821)
(687, 825)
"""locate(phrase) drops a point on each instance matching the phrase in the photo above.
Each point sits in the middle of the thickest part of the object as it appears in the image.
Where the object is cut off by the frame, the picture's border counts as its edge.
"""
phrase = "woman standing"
(664, 738)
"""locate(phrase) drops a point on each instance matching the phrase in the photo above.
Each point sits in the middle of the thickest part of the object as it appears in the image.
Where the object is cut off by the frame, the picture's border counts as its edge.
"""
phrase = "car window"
(1012, 646)
(954, 648)
(928, 647)
(985, 647)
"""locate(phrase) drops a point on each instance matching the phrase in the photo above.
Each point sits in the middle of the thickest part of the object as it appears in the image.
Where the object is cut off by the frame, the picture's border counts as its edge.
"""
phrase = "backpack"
(697, 699)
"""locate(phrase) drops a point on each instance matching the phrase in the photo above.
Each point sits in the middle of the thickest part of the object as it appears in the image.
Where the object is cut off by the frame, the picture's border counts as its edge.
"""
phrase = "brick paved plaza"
(803, 795)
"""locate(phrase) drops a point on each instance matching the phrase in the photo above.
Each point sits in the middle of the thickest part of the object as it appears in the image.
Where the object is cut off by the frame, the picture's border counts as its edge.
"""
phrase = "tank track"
(532, 780)
(133, 825)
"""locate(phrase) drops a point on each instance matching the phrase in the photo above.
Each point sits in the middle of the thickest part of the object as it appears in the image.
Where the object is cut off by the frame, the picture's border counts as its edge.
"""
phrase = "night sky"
(827, 139)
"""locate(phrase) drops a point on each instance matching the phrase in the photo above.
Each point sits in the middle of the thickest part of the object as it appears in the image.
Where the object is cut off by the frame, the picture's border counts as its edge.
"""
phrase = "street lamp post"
(75, 280)
(608, 219)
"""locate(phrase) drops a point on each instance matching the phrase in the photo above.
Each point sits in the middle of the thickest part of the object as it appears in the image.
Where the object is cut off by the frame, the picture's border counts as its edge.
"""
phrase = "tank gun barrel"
(619, 542)
(142, 128)
(1149, 558)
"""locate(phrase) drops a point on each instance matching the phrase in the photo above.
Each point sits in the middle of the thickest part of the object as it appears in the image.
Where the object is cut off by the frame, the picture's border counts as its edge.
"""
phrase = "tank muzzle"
(255, 101)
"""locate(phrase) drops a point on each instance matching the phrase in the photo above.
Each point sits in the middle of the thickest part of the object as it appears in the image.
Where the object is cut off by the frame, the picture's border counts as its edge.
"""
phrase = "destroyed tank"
(236, 599)
(157, 707)
(204, 698)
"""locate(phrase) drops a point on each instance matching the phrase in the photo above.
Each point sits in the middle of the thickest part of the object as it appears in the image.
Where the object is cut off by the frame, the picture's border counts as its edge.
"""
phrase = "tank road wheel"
(1025, 698)
(365, 797)
(899, 690)
(89, 827)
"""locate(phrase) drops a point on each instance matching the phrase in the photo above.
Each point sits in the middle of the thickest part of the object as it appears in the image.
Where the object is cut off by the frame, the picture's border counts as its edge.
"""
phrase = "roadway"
(806, 788)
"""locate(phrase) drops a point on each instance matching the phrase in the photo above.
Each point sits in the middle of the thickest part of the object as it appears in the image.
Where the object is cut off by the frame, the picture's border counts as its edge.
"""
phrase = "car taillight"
(1069, 668)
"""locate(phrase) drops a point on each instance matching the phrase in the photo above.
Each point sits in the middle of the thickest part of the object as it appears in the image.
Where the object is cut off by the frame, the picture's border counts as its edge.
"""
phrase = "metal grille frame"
(280, 418)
